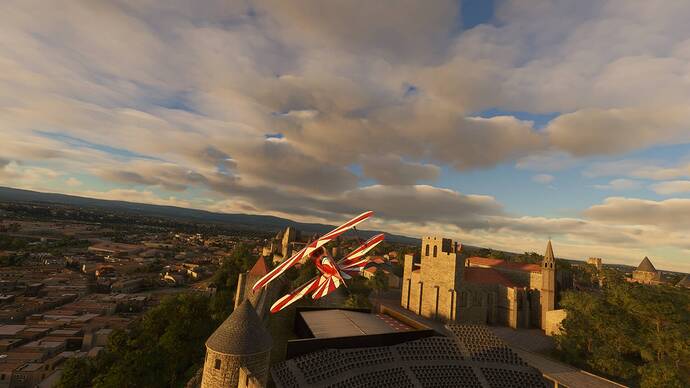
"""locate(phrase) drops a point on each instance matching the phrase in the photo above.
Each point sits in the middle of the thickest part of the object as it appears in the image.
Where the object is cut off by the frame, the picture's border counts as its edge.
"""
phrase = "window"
(426, 251)
(435, 250)
(217, 365)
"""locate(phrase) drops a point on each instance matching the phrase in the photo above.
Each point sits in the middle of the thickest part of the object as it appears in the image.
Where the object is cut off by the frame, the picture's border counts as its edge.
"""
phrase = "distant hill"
(240, 221)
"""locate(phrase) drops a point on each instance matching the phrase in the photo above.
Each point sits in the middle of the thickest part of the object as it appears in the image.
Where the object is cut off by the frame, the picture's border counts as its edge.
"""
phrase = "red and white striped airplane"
(332, 274)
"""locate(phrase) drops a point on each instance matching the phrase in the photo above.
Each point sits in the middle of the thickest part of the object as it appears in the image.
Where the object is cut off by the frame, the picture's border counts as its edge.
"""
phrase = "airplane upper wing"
(353, 263)
(277, 271)
(314, 245)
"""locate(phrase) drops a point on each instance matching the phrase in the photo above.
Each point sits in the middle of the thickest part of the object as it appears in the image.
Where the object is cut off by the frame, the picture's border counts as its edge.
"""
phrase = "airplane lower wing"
(306, 251)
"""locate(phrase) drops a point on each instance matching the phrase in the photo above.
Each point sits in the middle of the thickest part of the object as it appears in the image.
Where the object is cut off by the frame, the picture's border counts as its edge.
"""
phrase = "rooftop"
(490, 262)
(646, 266)
(10, 330)
(347, 323)
(241, 333)
(481, 275)
(260, 268)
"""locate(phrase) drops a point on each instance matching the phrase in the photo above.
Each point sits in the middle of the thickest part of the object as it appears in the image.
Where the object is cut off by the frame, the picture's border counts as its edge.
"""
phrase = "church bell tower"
(547, 294)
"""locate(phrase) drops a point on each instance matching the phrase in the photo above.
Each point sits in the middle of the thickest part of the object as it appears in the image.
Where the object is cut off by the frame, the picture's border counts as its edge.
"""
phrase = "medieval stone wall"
(553, 321)
(646, 277)
(222, 370)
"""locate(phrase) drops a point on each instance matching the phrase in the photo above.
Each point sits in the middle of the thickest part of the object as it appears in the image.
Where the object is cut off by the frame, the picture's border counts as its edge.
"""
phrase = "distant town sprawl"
(72, 276)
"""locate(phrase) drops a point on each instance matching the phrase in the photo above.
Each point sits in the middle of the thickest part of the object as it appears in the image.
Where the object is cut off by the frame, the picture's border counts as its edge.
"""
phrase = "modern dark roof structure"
(646, 266)
(331, 323)
(471, 356)
(242, 333)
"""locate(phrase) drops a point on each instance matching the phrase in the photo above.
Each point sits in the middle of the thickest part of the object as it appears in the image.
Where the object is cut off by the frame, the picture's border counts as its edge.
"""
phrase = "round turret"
(241, 341)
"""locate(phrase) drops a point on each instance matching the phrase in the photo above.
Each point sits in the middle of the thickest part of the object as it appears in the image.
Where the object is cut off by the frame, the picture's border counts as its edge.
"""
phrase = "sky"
(497, 123)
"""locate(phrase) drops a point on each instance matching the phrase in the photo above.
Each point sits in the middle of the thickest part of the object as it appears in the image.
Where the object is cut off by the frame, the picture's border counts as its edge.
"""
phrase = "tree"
(77, 373)
(635, 333)
(357, 301)
(379, 282)
(157, 351)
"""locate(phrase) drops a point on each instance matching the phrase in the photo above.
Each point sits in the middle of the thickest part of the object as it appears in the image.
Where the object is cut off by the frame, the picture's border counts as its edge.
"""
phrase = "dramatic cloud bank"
(316, 110)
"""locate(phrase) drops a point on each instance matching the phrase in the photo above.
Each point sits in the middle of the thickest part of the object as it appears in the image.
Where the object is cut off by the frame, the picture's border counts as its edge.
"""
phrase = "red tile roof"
(486, 276)
(377, 260)
(260, 268)
(489, 262)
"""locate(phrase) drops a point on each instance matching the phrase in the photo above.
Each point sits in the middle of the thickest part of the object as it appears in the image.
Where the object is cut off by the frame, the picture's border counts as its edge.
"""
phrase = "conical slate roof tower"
(240, 342)
(646, 265)
(242, 333)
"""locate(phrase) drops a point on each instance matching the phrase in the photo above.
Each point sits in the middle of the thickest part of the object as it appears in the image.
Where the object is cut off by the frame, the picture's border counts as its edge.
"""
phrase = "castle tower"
(289, 237)
(240, 346)
(246, 281)
(430, 287)
(548, 283)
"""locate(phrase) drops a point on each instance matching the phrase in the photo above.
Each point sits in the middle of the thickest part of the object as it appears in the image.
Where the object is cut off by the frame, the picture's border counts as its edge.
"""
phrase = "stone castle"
(444, 285)
(283, 245)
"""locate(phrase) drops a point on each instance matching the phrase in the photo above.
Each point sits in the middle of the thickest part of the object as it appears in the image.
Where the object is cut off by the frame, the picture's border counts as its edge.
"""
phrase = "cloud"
(612, 131)
(543, 178)
(548, 161)
(131, 195)
(15, 174)
(151, 173)
(176, 98)
(397, 30)
(620, 184)
(393, 170)
(643, 169)
(671, 187)
(73, 182)
(631, 211)
(422, 204)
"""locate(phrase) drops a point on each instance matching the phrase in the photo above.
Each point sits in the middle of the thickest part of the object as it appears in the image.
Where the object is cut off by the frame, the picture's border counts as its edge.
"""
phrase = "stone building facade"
(444, 285)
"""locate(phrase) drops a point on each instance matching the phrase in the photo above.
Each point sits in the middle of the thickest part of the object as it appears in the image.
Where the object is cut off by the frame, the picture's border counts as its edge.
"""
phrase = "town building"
(645, 273)
(444, 285)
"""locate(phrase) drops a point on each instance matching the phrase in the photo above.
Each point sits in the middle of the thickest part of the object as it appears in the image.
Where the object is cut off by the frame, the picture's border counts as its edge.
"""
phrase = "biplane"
(332, 274)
